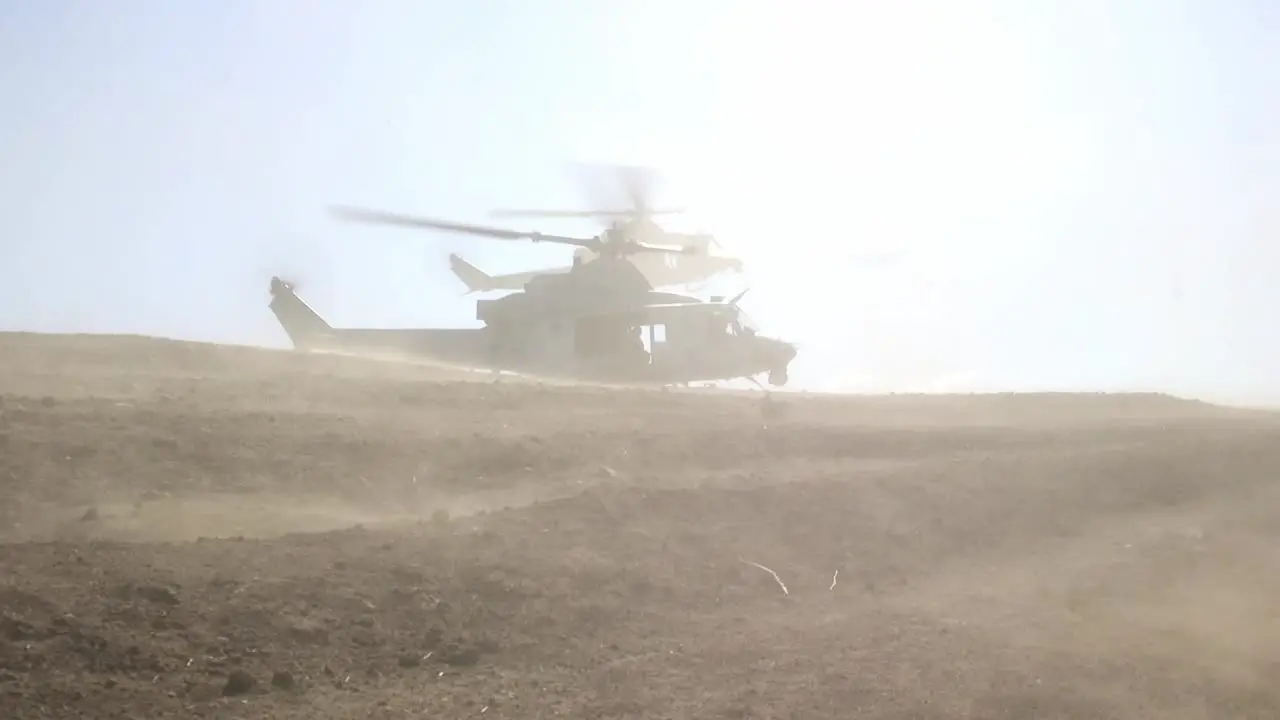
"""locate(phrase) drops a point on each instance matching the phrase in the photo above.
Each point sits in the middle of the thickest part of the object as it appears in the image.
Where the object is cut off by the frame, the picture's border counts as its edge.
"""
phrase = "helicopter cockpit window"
(742, 325)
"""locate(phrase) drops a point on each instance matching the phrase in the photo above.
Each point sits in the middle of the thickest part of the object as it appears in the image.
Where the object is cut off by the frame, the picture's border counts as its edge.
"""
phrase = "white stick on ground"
(774, 574)
(834, 575)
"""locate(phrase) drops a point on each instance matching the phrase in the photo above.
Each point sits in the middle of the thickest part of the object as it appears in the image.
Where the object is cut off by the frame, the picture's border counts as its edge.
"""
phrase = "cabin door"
(606, 343)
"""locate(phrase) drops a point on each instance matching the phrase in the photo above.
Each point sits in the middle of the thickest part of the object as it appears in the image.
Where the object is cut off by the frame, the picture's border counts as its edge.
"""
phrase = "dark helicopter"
(601, 320)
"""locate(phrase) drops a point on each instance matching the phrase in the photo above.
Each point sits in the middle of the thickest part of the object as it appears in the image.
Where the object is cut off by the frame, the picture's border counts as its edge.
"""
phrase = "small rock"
(433, 635)
(460, 656)
(157, 594)
(282, 680)
(239, 682)
(89, 515)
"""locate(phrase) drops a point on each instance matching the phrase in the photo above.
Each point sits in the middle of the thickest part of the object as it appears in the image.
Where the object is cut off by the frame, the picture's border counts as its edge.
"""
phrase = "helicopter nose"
(775, 358)
(788, 351)
(777, 354)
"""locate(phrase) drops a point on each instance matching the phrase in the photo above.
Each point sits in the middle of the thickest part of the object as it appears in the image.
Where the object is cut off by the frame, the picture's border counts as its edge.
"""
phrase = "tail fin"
(305, 327)
(473, 277)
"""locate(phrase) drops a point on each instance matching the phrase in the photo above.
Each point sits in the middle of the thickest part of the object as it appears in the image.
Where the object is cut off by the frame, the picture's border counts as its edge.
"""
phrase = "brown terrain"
(198, 531)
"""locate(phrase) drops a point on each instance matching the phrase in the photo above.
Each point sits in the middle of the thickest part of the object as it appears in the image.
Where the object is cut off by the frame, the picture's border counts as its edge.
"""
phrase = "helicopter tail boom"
(308, 331)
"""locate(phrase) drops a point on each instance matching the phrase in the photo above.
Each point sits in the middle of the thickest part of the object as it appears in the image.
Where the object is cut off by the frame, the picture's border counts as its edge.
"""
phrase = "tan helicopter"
(601, 320)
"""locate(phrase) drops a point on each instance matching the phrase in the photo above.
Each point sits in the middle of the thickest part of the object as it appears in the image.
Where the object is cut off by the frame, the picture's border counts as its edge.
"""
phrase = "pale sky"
(1083, 193)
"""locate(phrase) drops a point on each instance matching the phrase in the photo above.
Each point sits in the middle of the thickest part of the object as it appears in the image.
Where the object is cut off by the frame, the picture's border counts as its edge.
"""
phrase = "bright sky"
(1083, 192)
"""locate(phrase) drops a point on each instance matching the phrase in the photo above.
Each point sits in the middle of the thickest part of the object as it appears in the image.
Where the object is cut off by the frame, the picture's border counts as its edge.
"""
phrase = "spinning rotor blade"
(738, 297)
(877, 259)
(579, 213)
(542, 214)
(378, 217)
(638, 183)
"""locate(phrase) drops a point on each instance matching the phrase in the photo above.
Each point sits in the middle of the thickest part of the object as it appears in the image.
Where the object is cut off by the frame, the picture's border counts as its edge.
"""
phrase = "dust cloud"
(210, 527)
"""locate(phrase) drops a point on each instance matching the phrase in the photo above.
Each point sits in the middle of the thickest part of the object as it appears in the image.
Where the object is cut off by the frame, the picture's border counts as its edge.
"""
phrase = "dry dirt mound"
(180, 543)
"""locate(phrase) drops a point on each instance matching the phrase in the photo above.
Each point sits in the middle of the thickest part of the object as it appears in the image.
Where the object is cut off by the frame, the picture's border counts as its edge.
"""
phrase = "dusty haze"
(198, 531)
(1075, 197)
(1081, 195)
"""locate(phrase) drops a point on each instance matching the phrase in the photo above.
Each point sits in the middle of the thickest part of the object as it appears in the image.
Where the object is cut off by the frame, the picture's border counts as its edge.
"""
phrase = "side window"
(659, 336)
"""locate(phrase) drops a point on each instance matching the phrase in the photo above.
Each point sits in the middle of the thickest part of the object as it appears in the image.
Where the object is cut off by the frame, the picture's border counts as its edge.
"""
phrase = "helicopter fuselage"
(681, 341)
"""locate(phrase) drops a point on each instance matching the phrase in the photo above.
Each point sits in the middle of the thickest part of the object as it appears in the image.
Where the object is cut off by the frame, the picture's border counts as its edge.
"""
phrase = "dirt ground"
(199, 531)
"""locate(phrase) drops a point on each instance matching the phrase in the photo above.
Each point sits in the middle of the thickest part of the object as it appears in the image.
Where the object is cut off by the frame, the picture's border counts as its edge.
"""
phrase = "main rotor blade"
(378, 217)
(637, 183)
(579, 213)
(877, 259)
(542, 214)
(639, 187)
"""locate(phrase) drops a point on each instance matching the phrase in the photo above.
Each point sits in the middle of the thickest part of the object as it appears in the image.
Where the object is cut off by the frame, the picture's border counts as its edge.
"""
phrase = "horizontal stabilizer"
(473, 277)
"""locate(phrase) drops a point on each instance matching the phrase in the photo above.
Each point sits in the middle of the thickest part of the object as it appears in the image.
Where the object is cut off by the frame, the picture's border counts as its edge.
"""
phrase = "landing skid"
(776, 379)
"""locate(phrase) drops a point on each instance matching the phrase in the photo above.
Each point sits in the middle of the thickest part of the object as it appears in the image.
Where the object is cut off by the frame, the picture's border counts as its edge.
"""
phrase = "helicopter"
(589, 323)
